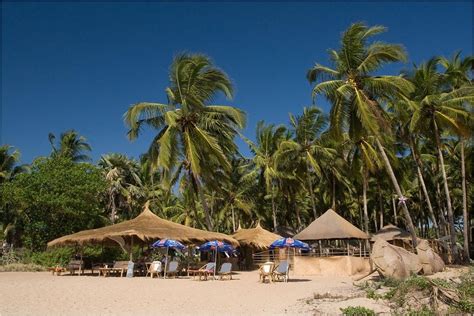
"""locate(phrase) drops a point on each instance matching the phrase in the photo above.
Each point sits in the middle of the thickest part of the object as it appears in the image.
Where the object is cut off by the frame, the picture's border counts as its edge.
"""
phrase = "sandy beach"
(40, 293)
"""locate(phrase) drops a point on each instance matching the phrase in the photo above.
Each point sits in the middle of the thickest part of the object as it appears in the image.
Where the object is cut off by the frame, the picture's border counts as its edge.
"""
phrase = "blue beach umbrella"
(217, 246)
(289, 243)
(168, 243)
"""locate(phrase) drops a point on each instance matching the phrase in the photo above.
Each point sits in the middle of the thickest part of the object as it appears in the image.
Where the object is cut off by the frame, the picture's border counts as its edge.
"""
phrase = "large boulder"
(394, 262)
(430, 261)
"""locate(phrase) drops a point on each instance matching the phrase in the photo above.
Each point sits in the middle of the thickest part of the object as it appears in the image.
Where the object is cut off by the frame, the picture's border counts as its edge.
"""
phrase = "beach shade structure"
(288, 243)
(216, 246)
(168, 243)
(143, 229)
(256, 238)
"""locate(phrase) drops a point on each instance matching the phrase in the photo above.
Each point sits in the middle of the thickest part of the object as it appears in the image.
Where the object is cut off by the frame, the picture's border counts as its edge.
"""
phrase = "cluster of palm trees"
(392, 149)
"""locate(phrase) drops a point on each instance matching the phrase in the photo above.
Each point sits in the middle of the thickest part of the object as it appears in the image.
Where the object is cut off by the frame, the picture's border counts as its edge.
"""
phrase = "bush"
(21, 267)
(357, 311)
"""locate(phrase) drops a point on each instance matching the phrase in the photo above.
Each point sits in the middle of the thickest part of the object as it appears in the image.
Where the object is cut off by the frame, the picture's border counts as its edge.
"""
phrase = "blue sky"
(81, 65)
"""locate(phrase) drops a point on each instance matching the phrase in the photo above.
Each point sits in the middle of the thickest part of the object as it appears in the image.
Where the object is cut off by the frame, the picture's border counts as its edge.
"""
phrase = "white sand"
(40, 293)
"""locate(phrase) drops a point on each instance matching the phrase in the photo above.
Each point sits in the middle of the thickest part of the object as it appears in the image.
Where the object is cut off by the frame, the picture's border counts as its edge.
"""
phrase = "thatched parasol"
(144, 228)
(391, 232)
(257, 237)
(330, 225)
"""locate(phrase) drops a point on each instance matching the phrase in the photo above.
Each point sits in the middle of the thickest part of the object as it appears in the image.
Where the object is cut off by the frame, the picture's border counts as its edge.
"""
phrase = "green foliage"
(58, 197)
(357, 311)
(21, 267)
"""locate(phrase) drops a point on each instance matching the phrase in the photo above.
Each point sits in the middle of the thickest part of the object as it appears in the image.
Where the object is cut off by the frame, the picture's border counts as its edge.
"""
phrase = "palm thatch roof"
(330, 225)
(391, 232)
(257, 237)
(144, 228)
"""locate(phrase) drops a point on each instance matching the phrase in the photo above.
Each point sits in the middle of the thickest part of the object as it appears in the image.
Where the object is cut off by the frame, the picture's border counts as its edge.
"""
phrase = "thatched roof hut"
(391, 232)
(144, 228)
(257, 238)
(330, 225)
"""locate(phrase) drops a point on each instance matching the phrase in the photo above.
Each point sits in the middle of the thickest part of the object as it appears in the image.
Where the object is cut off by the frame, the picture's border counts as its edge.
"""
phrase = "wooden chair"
(74, 265)
(266, 272)
(204, 271)
(172, 269)
(225, 271)
(155, 268)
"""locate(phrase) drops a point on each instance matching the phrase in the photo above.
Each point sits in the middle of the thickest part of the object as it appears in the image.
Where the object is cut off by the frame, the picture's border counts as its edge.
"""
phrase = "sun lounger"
(225, 271)
(172, 269)
(204, 271)
(266, 272)
(118, 267)
(281, 272)
(155, 268)
(74, 265)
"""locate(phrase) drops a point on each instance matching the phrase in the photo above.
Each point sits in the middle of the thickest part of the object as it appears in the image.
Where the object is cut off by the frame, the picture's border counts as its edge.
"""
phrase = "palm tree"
(124, 183)
(70, 145)
(306, 147)
(357, 96)
(457, 71)
(436, 109)
(193, 137)
(8, 163)
(269, 138)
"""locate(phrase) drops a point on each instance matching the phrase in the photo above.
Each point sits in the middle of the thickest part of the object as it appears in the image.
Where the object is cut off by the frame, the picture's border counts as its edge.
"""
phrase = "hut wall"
(331, 266)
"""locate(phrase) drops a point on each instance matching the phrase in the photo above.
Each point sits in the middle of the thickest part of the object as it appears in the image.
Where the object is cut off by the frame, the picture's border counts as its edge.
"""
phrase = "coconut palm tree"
(358, 96)
(436, 109)
(306, 147)
(70, 145)
(8, 163)
(458, 74)
(193, 136)
(269, 138)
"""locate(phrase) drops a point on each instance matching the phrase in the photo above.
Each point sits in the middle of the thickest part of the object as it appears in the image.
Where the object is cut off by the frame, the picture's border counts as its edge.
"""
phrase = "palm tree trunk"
(423, 186)
(394, 205)
(311, 193)
(442, 219)
(275, 225)
(233, 218)
(406, 213)
(452, 234)
(380, 203)
(364, 199)
(464, 204)
(333, 206)
(202, 198)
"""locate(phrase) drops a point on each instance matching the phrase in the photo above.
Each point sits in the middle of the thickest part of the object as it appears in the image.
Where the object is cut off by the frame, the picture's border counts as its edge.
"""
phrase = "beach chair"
(154, 268)
(118, 267)
(281, 272)
(266, 272)
(172, 269)
(225, 271)
(204, 271)
(74, 265)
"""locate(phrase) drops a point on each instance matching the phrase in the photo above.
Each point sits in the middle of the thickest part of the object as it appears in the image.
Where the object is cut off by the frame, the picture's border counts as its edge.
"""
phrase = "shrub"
(357, 311)
(21, 267)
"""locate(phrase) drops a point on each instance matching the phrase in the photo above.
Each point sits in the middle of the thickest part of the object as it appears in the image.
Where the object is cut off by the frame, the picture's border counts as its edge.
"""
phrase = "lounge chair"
(118, 267)
(74, 265)
(226, 270)
(281, 272)
(266, 272)
(204, 271)
(172, 268)
(155, 268)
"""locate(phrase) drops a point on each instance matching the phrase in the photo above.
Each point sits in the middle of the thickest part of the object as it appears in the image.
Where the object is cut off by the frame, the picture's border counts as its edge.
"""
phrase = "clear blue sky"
(79, 66)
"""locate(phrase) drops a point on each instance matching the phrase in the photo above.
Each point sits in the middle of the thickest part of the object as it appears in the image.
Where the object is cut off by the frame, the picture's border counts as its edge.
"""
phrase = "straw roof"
(146, 227)
(330, 225)
(257, 237)
(391, 232)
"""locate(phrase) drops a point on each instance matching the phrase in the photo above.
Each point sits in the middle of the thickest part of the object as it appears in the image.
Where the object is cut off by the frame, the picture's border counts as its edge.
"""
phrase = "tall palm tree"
(357, 96)
(436, 109)
(458, 71)
(306, 146)
(70, 145)
(193, 136)
(269, 138)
